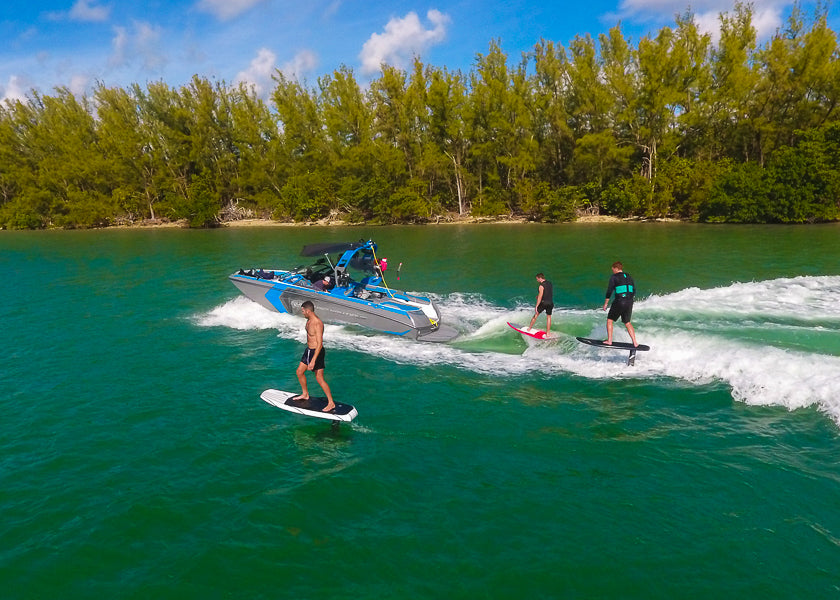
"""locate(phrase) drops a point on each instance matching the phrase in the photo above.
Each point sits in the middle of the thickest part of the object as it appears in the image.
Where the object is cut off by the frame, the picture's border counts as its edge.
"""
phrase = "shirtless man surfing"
(313, 356)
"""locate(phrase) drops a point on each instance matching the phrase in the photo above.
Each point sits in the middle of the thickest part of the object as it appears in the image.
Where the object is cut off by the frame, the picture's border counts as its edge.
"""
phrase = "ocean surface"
(138, 461)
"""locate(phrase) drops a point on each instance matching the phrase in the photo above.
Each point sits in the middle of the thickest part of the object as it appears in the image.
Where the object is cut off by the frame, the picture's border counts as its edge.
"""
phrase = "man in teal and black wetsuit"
(622, 284)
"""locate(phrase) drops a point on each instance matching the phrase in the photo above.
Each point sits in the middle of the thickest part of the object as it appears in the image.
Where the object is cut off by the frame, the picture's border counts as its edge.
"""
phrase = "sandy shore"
(183, 224)
(464, 221)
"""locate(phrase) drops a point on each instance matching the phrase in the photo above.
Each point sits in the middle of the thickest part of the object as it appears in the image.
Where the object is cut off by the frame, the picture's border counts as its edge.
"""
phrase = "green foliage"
(490, 202)
(363, 194)
(21, 213)
(738, 195)
(406, 204)
(598, 158)
(198, 206)
(563, 204)
(304, 198)
(675, 126)
(689, 183)
(542, 203)
(805, 179)
(83, 210)
(627, 197)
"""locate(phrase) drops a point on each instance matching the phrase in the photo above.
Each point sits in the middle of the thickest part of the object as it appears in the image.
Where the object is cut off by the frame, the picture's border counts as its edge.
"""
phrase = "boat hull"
(394, 312)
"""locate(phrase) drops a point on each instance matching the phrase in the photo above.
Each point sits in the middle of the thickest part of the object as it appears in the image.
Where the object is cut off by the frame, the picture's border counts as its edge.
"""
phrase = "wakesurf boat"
(355, 294)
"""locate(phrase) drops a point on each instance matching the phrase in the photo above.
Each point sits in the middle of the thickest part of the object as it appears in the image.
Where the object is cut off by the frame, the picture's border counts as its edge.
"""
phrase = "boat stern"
(439, 334)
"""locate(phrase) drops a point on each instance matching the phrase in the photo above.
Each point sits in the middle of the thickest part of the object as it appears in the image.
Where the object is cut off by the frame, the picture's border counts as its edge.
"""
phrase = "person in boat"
(624, 288)
(322, 284)
(314, 356)
(545, 301)
(380, 269)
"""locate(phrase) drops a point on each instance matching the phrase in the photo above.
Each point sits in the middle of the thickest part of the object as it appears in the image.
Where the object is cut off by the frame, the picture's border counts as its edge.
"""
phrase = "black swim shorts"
(307, 358)
(545, 307)
(621, 307)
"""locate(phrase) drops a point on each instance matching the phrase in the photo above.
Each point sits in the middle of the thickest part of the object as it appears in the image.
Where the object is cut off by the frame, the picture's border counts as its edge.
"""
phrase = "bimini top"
(330, 248)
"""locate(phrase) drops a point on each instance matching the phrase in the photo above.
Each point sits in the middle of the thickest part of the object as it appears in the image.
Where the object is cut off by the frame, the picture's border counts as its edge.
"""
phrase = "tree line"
(675, 126)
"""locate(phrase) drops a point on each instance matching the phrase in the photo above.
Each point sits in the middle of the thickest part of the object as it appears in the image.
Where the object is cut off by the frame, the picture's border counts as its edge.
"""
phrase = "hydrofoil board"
(619, 345)
(534, 333)
(312, 407)
(631, 360)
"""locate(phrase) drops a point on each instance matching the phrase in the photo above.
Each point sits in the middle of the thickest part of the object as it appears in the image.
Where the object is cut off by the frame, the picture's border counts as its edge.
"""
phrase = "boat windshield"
(318, 270)
(361, 265)
(355, 263)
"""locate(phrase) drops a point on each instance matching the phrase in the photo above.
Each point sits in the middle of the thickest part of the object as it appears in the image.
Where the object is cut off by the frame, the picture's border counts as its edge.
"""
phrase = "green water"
(137, 460)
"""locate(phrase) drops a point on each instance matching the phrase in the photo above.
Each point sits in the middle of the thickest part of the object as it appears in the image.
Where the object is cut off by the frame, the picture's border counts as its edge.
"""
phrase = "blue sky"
(75, 43)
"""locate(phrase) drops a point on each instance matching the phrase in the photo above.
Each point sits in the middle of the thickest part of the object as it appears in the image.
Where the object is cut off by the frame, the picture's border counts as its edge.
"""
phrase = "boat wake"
(772, 342)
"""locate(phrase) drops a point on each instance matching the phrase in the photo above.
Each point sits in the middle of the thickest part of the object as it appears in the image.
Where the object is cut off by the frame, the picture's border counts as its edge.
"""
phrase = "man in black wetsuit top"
(545, 301)
(625, 290)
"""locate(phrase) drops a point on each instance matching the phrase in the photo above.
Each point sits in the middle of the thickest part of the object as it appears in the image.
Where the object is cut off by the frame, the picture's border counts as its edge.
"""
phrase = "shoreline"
(460, 221)
(182, 224)
(269, 223)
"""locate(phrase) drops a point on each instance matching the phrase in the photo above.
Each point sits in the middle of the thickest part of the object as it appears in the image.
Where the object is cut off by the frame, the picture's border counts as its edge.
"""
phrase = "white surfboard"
(534, 333)
(313, 407)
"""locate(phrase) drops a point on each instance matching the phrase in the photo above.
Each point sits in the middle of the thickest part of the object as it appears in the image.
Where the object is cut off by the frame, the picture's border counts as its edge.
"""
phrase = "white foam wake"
(772, 342)
(797, 299)
(244, 314)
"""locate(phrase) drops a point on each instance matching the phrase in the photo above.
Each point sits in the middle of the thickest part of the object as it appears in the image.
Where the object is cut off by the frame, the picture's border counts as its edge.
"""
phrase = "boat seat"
(359, 291)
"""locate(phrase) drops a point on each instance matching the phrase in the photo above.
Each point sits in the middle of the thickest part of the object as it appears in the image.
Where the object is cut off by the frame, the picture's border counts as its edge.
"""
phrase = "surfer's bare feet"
(607, 343)
(330, 407)
(300, 398)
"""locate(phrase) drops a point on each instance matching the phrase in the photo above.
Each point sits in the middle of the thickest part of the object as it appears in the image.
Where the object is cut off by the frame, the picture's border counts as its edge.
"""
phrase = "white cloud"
(225, 10)
(332, 9)
(79, 85)
(120, 46)
(85, 10)
(82, 10)
(709, 23)
(148, 45)
(766, 14)
(402, 40)
(304, 62)
(258, 73)
(141, 42)
(14, 90)
(765, 21)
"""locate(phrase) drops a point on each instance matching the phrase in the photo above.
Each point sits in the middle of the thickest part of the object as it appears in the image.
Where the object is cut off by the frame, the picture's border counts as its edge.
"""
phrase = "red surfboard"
(534, 333)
